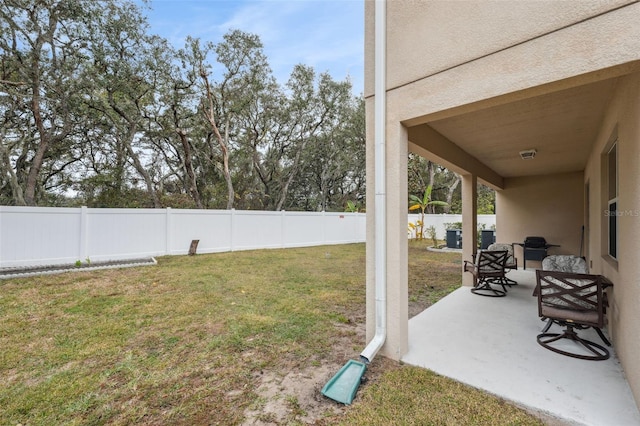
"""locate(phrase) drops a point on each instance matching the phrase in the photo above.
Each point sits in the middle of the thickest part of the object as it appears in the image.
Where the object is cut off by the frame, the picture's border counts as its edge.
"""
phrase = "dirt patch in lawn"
(286, 397)
(295, 397)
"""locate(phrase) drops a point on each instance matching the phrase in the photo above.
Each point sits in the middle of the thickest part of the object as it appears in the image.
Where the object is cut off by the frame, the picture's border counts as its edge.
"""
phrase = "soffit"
(561, 126)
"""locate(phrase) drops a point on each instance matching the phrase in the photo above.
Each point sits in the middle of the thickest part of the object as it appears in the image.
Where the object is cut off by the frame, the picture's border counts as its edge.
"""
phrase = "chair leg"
(510, 282)
(604, 339)
(501, 281)
(548, 325)
(484, 289)
(599, 352)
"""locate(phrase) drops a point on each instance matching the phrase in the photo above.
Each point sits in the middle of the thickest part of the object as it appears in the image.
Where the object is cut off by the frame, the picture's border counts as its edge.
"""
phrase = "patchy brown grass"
(432, 275)
(230, 338)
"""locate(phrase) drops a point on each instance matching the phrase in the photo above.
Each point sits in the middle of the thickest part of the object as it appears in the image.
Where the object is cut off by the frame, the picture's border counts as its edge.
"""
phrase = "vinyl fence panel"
(212, 227)
(124, 234)
(303, 229)
(31, 236)
(36, 235)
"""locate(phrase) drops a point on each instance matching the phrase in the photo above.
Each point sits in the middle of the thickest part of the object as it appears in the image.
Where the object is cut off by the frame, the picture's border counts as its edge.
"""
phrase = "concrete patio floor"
(490, 343)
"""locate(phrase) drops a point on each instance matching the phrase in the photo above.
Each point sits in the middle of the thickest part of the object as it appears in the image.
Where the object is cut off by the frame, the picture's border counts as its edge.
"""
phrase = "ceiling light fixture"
(528, 154)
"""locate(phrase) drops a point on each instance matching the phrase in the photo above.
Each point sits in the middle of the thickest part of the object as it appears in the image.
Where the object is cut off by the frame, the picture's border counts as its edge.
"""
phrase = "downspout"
(380, 186)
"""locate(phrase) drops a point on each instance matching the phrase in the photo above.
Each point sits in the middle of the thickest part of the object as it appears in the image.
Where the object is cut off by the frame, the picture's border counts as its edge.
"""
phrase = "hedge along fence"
(32, 236)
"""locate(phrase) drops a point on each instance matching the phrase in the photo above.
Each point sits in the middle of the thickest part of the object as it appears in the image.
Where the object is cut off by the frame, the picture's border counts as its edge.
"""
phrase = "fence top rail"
(31, 209)
(113, 210)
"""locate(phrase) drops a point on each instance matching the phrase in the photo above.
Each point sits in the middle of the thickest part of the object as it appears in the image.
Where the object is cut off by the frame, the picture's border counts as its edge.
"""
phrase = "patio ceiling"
(561, 126)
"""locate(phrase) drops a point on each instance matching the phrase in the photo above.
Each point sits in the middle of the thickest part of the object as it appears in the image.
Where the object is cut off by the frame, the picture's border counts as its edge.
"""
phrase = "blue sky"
(325, 34)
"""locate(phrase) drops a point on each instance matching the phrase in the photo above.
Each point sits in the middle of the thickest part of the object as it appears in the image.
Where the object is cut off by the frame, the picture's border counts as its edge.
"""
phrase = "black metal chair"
(488, 268)
(511, 262)
(563, 263)
(575, 302)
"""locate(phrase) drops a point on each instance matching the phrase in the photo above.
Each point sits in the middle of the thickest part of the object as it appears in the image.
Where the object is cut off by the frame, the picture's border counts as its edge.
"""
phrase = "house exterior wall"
(449, 58)
(622, 121)
(427, 39)
(544, 63)
(530, 206)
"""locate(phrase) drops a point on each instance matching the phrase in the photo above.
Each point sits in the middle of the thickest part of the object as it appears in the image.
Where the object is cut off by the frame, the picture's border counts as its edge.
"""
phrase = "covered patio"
(544, 110)
(490, 343)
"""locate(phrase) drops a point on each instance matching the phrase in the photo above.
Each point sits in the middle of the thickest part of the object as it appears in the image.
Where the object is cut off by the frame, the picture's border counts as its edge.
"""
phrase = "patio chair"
(488, 268)
(562, 263)
(510, 264)
(575, 302)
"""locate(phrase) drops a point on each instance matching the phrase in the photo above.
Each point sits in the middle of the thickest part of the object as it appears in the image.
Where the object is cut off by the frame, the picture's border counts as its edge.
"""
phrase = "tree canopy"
(443, 185)
(96, 111)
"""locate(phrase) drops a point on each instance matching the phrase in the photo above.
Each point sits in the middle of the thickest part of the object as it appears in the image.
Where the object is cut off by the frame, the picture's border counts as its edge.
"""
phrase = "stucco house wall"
(445, 59)
(549, 206)
(621, 123)
(540, 64)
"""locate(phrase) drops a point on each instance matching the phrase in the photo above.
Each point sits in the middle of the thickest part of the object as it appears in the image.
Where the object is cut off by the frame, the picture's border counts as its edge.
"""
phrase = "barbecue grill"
(535, 248)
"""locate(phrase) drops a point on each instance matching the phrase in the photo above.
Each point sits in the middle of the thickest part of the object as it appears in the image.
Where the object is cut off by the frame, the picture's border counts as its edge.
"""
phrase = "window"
(612, 210)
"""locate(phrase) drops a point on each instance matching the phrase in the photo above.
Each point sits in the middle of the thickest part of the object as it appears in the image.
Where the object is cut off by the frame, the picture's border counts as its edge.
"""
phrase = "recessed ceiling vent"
(528, 154)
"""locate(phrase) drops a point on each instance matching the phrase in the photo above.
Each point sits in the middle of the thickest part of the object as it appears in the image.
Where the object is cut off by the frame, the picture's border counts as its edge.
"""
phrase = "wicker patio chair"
(575, 302)
(488, 268)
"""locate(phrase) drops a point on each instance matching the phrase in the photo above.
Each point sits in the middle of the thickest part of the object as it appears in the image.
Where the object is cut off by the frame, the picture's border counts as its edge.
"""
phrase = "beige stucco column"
(397, 249)
(469, 222)
(397, 294)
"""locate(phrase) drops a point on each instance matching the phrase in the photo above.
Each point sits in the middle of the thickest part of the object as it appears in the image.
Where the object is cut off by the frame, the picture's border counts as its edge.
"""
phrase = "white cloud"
(325, 34)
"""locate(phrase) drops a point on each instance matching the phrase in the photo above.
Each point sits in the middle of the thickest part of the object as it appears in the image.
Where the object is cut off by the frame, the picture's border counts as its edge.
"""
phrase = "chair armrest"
(469, 266)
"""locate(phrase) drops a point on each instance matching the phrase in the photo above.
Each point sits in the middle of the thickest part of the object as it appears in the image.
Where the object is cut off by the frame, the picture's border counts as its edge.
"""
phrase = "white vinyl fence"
(31, 236)
(49, 236)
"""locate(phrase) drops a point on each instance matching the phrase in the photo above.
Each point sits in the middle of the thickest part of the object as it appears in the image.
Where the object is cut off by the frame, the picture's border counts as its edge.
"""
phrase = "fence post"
(1, 213)
(324, 229)
(282, 224)
(233, 228)
(167, 230)
(82, 255)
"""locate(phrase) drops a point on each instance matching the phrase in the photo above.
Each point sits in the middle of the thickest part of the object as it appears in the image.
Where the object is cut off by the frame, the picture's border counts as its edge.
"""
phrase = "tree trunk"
(16, 190)
(292, 174)
(450, 191)
(188, 165)
(432, 180)
(225, 164)
(141, 170)
(38, 158)
(209, 113)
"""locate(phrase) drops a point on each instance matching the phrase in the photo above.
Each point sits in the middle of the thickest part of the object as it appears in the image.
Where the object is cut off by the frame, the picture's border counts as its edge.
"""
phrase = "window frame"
(612, 202)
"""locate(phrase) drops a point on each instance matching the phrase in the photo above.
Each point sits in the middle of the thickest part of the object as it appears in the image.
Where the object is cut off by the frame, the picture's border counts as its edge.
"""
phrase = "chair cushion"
(589, 317)
(504, 247)
(565, 263)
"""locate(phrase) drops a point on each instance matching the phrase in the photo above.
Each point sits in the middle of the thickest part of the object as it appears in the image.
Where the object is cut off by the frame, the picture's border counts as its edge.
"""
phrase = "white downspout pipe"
(380, 185)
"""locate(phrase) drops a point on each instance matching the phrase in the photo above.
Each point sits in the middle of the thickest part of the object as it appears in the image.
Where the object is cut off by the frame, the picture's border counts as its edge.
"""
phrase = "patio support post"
(396, 303)
(469, 222)
(397, 249)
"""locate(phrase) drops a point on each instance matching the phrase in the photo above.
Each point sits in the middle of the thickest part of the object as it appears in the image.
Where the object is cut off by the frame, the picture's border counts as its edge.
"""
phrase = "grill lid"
(535, 242)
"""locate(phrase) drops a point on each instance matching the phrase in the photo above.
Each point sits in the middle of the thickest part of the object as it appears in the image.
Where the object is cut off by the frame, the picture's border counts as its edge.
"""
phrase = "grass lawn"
(231, 338)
